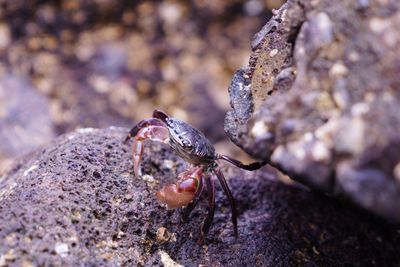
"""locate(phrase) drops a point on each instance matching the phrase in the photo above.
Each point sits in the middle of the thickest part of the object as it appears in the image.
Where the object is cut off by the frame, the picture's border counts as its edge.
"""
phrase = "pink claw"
(137, 155)
(183, 191)
(156, 133)
(175, 198)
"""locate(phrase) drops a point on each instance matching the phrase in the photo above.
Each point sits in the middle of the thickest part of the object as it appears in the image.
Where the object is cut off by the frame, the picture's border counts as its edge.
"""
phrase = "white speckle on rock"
(285, 74)
(170, 13)
(328, 130)
(300, 51)
(306, 149)
(338, 70)
(369, 97)
(148, 178)
(260, 130)
(253, 7)
(85, 130)
(61, 249)
(341, 94)
(354, 56)
(7, 191)
(320, 30)
(273, 52)
(284, 15)
(163, 235)
(278, 153)
(386, 28)
(2, 261)
(169, 164)
(5, 35)
(8, 256)
(167, 260)
(379, 25)
(125, 174)
(308, 137)
(33, 167)
(391, 38)
(320, 152)
(297, 150)
(242, 87)
(396, 172)
(324, 21)
(351, 136)
(359, 109)
(72, 136)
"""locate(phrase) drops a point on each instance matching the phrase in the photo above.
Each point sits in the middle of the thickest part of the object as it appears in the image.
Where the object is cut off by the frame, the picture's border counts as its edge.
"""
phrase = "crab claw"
(152, 132)
(183, 192)
(137, 156)
(176, 196)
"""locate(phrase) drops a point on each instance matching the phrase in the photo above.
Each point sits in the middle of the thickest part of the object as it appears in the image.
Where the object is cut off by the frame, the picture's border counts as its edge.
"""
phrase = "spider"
(191, 145)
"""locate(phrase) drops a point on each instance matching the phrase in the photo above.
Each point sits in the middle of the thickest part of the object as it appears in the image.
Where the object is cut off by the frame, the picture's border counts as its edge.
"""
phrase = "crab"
(191, 145)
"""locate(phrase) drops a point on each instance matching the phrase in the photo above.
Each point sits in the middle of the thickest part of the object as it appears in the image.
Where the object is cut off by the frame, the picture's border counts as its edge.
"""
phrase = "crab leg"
(156, 133)
(211, 206)
(228, 193)
(250, 167)
(189, 208)
(158, 114)
(143, 124)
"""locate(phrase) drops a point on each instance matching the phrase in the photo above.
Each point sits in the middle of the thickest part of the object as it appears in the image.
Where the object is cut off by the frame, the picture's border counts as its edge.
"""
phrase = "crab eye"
(170, 123)
(187, 144)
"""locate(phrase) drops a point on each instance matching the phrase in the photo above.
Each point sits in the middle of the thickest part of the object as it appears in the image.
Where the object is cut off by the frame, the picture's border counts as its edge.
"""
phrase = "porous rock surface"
(320, 98)
(75, 202)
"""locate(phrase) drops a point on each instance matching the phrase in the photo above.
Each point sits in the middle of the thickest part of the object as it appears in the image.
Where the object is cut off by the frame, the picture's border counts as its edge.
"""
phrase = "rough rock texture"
(320, 97)
(76, 202)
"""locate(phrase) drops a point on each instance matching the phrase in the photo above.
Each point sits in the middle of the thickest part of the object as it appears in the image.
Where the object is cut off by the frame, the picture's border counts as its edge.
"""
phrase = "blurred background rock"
(96, 63)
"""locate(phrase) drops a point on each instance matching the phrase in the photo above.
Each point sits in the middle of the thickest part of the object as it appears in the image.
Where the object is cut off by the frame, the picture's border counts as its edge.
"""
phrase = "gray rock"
(323, 86)
(25, 122)
(75, 202)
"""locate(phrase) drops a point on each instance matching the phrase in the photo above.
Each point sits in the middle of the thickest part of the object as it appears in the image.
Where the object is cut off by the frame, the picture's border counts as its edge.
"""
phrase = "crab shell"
(189, 143)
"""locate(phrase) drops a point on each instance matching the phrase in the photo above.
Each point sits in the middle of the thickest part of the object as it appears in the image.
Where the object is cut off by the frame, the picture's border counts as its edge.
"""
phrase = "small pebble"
(167, 260)
(273, 52)
(338, 70)
(128, 197)
(163, 235)
(61, 249)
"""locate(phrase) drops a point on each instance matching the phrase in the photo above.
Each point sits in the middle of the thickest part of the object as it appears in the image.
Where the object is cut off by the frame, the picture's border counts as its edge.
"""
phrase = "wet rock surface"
(322, 99)
(76, 202)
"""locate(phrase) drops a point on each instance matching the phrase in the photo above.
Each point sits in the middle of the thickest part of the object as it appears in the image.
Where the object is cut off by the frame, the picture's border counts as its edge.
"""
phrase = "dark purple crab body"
(190, 144)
